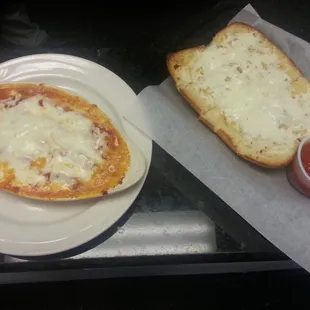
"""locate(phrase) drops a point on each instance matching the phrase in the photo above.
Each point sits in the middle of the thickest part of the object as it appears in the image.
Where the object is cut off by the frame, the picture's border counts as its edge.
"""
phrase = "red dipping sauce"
(298, 172)
(305, 157)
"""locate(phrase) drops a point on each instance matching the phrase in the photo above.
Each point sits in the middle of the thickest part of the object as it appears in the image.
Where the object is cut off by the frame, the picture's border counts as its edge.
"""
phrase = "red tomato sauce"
(298, 179)
(305, 157)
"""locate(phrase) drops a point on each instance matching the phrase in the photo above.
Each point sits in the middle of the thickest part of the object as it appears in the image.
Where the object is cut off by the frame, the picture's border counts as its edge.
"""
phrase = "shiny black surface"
(265, 290)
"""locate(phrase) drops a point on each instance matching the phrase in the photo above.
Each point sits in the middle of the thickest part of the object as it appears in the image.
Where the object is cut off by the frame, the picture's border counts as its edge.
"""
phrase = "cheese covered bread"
(248, 92)
(55, 145)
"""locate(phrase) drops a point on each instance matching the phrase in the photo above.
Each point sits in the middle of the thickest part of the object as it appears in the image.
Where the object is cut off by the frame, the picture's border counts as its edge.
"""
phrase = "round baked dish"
(56, 146)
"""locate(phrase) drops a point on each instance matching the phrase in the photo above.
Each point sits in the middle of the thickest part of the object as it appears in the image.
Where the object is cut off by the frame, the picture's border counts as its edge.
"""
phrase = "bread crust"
(214, 119)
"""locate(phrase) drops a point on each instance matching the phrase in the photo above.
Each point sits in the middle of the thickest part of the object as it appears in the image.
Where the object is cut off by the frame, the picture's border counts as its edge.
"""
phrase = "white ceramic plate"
(31, 227)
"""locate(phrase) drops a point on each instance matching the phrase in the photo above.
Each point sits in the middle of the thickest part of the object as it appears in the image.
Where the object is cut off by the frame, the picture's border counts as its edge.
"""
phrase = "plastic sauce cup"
(297, 170)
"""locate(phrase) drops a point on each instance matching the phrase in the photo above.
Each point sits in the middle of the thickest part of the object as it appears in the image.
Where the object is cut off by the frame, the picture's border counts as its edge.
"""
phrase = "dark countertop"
(266, 290)
(135, 48)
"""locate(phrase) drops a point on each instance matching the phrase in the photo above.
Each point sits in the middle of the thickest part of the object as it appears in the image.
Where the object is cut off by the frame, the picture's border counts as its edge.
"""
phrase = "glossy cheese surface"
(244, 78)
(56, 145)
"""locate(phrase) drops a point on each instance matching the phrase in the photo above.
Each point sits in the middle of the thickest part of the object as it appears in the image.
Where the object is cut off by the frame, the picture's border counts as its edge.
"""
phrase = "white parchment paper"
(262, 197)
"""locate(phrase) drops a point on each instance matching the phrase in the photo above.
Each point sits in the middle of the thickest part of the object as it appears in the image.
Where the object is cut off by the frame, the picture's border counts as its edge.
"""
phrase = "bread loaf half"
(248, 92)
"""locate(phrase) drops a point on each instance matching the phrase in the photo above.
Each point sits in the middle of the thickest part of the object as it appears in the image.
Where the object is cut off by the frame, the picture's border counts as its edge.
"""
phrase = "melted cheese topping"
(42, 142)
(242, 76)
